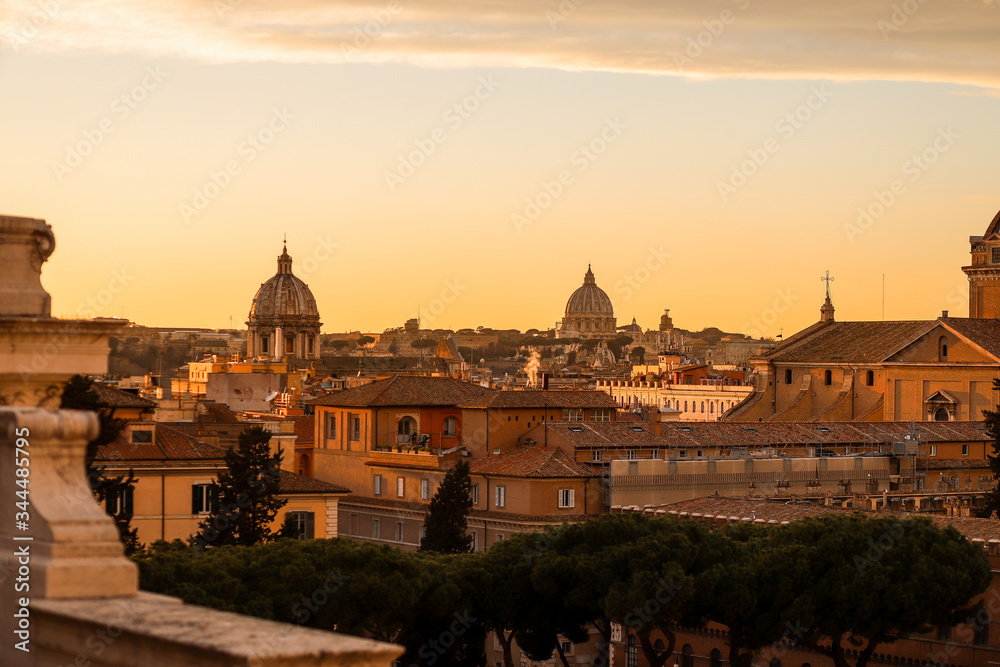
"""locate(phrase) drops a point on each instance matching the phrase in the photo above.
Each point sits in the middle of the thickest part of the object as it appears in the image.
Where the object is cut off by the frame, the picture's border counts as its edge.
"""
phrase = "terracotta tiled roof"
(761, 434)
(116, 398)
(952, 464)
(167, 445)
(542, 399)
(531, 461)
(984, 333)
(305, 433)
(210, 412)
(859, 342)
(289, 482)
(405, 391)
(742, 508)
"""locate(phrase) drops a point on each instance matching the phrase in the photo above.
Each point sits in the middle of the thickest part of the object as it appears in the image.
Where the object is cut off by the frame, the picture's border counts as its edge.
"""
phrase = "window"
(400, 487)
(376, 528)
(475, 494)
(567, 498)
(828, 377)
(310, 344)
(596, 455)
(933, 450)
(630, 455)
(573, 415)
(331, 426)
(204, 498)
(501, 496)
(655, 454)
(631, 652)
(940, 415)
(142, 436)
(425, 489)
(600, 415)
(685, 406)
(788, 376)
(567, 647)
(289, 344)
(499, 537)
(982, 631)
(715, 658)
(700, 453)
(355, 427)
(475, 541)
(265, 345)
(303, 524)
(965, 450)
(996, 255)
(942, 349)
(120, 504)
(687, 656)
(450, 427)
(423, 531)
(870, 378)
(711, 408)
(378, 485)
(703, 407)
(399, 531)
(683, 453)
(354, 524)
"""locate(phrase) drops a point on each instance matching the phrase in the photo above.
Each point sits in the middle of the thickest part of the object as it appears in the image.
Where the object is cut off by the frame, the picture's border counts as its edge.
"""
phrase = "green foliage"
(992, 421)
(617, 344)
(247, 495)
(447, 519)
(424, 343)
(365, 340)
(338, 344)
(839, 578)
(79, 394)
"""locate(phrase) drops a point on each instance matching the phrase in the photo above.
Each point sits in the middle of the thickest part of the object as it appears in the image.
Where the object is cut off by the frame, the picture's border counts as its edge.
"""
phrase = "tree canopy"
(447, 519)
(245, 501)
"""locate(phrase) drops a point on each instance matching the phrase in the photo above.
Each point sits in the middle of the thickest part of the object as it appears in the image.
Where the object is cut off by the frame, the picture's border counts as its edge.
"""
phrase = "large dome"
(589, 313)
(589, 300)
(284, 295)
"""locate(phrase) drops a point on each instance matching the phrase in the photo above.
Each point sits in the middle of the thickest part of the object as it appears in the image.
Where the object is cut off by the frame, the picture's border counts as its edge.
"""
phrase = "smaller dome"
(589, 299)
(284, 295)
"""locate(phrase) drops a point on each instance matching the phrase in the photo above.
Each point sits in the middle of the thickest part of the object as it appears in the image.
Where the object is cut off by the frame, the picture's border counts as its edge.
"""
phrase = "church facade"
(284, 319)
(937, 370)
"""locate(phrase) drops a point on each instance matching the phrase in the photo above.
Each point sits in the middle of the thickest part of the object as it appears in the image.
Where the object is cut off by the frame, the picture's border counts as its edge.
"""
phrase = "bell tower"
(984, 273)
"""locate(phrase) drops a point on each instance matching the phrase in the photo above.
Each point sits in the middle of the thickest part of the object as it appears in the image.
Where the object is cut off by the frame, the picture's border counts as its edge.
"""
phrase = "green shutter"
(310, 525)
(196, 498)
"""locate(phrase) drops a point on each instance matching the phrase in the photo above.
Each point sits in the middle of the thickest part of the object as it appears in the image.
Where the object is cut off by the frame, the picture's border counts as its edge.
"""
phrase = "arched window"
(715, 658)
(703, 407)
(685, 406)
(304, 468)
(687, 656)
(711, 408)
(450, 427)
(827, 377)
(870, 378)
(941, 415)
(943, 348)
(631, 652)
(774, 663)
(405, 430)
(659, 646)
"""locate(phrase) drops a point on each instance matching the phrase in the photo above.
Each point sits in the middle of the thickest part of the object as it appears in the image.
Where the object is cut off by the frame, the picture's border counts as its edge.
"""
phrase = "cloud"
(904, 40)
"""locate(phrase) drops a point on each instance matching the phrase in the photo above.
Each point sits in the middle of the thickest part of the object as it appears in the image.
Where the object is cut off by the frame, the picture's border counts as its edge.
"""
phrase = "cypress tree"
(245, 502)
(447, 521)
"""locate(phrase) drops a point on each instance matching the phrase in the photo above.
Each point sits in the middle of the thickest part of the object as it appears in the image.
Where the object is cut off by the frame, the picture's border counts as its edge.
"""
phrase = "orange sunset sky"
(714, 158)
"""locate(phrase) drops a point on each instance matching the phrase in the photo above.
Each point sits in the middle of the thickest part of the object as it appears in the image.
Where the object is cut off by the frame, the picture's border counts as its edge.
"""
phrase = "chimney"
(944, 313)
(545, 380)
